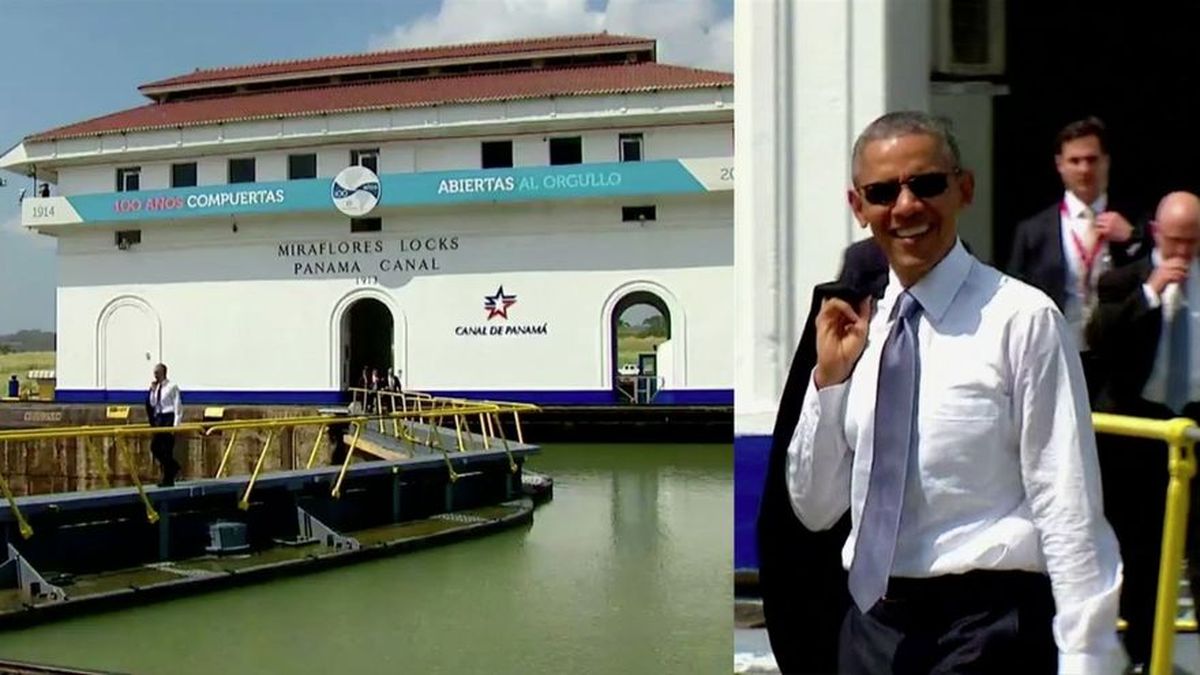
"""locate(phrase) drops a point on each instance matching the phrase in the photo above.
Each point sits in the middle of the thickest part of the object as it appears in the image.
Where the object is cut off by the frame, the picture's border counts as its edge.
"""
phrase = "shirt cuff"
(1080, 663)
(1152, 299)
(829, 400)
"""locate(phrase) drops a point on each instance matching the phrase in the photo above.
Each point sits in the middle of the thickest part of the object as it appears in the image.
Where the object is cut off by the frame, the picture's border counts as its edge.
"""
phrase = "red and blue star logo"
(498, 304)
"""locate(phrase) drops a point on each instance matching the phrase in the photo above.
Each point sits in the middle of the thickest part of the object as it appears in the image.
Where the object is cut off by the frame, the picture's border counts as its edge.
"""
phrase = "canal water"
(628, 570)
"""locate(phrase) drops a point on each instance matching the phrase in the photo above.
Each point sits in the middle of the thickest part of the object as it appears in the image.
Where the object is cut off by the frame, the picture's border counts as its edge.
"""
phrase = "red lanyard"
(1087, 257)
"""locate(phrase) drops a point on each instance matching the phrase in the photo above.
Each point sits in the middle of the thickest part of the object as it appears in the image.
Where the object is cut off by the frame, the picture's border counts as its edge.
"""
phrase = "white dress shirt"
(1004, 474)
(1156, 386)
(1075, 224)
(166, 400)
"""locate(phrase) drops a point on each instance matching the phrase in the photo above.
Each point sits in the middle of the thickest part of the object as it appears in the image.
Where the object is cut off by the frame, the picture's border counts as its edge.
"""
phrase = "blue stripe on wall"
(750, 455)
(719, 397)
(205, 397)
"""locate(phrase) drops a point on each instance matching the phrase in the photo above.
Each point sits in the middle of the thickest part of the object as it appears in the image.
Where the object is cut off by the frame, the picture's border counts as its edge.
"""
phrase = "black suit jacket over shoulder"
(801, 578)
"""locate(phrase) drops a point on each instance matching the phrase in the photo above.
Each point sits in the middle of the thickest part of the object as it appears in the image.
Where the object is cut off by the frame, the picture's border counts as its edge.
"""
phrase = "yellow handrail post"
(123, 449)
(517, 422)
(225, 455)
(512, 464)
(312, 456)
(337, 487)
(244, 504)
(1182, 465)
(22, 524)
(458, 431)
(430, 423)
(483, 431)
(395, 419)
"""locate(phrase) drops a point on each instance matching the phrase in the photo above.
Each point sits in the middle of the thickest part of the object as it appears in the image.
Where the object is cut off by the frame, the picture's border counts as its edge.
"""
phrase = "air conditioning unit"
(968, 38)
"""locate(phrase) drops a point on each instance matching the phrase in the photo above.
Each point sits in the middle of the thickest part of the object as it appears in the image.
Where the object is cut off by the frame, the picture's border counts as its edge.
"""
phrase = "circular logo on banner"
(355, 191)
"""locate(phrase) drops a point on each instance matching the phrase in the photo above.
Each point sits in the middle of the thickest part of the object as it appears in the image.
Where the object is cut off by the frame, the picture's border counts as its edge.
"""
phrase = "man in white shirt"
(164, 408)
(952, 421)
(1145, 334)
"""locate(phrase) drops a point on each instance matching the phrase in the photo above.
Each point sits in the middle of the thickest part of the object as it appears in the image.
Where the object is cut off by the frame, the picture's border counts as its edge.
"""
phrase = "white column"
(809, 75)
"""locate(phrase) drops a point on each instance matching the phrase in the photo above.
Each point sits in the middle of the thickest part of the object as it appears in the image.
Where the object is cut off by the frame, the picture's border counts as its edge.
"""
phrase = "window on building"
(129, 179)
(126, 239)
(638, 214)
(183, 175)
(368, 158)
(302, 166)
(566, 150)
(497, 154)
(241, 170)
(366, 224)
(631, 147)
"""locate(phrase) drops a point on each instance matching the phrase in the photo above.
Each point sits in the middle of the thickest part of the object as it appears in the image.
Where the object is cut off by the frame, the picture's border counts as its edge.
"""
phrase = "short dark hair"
(1088, 126)
(903, 123)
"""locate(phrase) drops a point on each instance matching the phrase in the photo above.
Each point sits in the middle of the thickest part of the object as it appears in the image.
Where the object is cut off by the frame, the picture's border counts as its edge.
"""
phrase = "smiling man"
(952, 421)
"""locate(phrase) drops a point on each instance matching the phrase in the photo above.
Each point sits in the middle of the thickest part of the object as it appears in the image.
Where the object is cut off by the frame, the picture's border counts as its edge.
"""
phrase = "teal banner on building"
(410, 189)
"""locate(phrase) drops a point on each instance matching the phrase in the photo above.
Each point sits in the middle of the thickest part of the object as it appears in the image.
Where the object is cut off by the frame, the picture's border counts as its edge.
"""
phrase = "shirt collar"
(1075, 205)
(937, 288)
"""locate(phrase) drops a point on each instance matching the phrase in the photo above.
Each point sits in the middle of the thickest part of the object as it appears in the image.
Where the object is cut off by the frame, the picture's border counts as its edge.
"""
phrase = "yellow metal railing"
(1180, 435)
(404, 410)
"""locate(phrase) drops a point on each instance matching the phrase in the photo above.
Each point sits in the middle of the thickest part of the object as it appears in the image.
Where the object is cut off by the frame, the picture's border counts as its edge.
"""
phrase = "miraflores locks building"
(476, 216)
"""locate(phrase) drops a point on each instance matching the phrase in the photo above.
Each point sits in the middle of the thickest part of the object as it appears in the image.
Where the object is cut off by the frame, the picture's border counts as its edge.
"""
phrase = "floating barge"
(438, 481)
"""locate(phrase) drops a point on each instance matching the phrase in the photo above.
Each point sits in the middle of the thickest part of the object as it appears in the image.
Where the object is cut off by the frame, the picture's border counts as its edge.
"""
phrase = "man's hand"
(1114, 227)
(841, 338)
(1171, 271)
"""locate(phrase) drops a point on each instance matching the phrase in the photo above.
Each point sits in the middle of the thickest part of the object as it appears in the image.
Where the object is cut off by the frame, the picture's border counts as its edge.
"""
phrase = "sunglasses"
(923, 186)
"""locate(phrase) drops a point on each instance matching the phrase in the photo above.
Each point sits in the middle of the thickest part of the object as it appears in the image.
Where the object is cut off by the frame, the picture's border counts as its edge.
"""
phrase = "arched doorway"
(640, 322)
(130, 344)
(368, 336)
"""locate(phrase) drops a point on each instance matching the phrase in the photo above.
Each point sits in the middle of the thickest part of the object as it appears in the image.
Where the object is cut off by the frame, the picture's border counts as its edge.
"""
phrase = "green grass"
(20, 364)
(629, 346)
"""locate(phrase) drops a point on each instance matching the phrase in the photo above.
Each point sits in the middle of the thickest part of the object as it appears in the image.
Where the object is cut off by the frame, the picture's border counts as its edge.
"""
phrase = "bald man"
(1147, 334)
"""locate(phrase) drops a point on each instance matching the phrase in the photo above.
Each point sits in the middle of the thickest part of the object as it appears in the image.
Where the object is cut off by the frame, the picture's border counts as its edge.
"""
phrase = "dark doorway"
(367, 337)
(640, 322)
(1131, 64)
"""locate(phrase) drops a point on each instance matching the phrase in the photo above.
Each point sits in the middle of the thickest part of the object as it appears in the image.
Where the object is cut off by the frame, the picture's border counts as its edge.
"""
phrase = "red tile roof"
(468, 88)
(463, 51)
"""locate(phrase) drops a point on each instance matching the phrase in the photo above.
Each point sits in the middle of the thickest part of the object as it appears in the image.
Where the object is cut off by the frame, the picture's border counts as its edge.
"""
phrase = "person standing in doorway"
(1063, 249)
(164, 408)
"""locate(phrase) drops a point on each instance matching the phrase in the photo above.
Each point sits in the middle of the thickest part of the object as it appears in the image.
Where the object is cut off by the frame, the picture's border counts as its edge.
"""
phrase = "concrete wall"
(810, 76)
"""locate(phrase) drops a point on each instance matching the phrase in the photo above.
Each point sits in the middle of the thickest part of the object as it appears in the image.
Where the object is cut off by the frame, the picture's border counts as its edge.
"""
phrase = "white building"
(519, 196)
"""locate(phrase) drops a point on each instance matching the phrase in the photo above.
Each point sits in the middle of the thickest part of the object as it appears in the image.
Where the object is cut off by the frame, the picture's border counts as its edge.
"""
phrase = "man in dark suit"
(801, 577)
(1064, 248)
(1145, 333)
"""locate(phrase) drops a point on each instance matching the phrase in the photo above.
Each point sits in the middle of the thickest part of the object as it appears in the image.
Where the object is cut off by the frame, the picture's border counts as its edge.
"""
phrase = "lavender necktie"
(895, 413)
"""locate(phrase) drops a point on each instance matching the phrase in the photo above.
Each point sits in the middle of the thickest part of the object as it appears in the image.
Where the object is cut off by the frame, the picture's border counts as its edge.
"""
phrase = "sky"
(67, 61)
